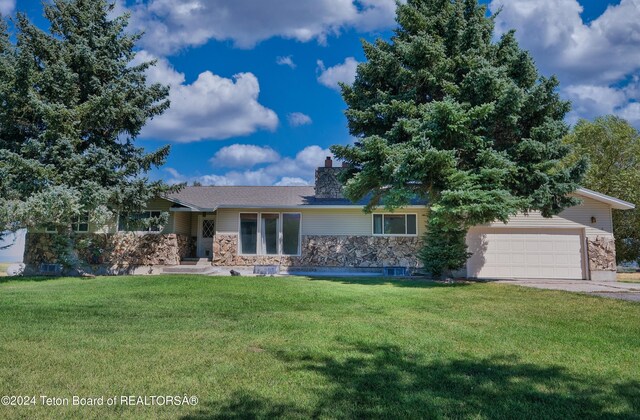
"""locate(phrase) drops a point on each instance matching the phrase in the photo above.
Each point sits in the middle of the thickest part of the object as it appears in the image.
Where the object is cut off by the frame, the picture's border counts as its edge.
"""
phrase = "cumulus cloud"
(297, 170)
(297, 119)
(244, 156)
(7, 6)
(212, 107)
(291, 181)
(170, 26)
(340, 73)
(596, 62)
(553, 30)
(286, 61)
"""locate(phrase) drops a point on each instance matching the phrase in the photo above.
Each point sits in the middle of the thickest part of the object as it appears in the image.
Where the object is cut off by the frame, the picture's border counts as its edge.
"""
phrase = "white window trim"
(393, 234)
(259, 251)
(141, 231)
(77, 222)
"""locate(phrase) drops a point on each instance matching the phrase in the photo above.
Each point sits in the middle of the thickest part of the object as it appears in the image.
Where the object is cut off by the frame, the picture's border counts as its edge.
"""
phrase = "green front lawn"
(297, 347)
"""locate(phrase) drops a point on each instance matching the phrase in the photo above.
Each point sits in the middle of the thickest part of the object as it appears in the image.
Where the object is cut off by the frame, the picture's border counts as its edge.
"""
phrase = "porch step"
(196, 261)
(189, 269)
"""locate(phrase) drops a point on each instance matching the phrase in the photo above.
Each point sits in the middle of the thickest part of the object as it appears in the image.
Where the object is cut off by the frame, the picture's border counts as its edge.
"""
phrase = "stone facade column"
(601, 252)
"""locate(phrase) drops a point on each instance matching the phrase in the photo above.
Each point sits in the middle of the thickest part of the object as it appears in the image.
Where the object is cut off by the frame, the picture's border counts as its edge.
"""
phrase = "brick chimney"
(327, 183)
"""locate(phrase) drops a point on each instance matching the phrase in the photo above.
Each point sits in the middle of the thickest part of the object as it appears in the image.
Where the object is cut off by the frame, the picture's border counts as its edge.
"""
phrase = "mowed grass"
(629, 277)
(333, 348)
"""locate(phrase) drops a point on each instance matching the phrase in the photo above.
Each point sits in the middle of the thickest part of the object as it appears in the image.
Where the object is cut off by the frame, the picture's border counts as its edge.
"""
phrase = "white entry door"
(527, 254)
(206, 232)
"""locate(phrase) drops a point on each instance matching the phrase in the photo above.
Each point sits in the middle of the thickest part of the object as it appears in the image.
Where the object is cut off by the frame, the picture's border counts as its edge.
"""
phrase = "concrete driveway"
(615, 290)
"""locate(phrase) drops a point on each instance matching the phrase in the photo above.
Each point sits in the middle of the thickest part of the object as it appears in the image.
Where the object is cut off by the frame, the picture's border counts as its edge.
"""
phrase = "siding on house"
(572, 218)
(194, 224)
(337, 222)
(157, 204)
(181, 222)
(354, 222)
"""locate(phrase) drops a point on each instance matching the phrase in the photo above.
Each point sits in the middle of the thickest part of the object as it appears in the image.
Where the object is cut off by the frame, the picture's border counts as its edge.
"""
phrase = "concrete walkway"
(615, 290)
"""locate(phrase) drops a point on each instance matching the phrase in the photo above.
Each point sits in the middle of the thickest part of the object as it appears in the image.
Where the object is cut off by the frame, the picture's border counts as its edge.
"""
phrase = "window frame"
(258, 245)
(373, 232)
(80, 220)
(259, 251)
(141, 231)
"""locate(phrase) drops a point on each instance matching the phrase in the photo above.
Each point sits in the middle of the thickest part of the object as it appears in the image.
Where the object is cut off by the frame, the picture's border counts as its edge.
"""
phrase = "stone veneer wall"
(329, 251)
(121, 249)
(602, 253)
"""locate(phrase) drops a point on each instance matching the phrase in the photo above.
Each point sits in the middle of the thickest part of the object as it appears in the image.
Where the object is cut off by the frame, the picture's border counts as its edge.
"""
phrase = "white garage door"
(521, 253)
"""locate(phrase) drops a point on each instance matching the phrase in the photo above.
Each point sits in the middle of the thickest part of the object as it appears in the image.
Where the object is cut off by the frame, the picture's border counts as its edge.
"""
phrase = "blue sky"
(254, 83)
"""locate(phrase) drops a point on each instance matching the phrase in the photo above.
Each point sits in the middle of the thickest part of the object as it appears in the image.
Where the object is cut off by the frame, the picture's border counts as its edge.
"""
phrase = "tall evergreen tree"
(444, 113)
(72, 104)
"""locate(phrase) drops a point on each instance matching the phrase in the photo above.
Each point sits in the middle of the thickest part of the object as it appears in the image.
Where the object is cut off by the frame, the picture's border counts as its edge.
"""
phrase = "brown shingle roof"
(213, 197)
(219, 196)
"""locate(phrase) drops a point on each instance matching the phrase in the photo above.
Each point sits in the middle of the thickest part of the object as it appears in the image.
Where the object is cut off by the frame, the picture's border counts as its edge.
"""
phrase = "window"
(270, 233)
(395, 224)
(208, 228)
(291, 233)
(270, 237)
(81, 223)
(135, 222)
(248, 233)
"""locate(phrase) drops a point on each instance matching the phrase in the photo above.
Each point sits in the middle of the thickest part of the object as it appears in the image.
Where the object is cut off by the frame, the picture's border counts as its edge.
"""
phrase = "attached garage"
(526, 253)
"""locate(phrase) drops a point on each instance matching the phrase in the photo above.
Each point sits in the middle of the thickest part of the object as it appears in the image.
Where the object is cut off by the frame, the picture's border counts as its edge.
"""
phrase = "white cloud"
(286, 61)
(340, 73)
(597, 63)
(243, 156)
(604, 50)
(297, 119)
(171, 26)
(7, 7)
(292, 181)
(297, 170)
(590, 101)
(631, 113)
(212, 107)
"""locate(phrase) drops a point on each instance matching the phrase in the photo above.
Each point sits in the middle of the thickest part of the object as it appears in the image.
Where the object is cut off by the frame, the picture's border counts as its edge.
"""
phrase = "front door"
(206, 231)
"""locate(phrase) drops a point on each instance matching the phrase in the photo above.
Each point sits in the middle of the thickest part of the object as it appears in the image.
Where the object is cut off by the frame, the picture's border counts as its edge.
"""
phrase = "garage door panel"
(503, 253)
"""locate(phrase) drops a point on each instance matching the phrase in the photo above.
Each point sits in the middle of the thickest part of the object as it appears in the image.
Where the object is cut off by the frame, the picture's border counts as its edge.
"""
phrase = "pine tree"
(443, 112)
(72, 106)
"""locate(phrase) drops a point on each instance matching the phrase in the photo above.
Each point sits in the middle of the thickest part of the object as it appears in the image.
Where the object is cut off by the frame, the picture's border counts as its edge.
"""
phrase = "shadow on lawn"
(385, 382)
(21, 279)
(397, 282)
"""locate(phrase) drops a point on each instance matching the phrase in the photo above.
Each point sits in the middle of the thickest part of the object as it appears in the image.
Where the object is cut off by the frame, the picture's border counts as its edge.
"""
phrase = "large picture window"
(135, 222)
(270, 233)
(395, 224)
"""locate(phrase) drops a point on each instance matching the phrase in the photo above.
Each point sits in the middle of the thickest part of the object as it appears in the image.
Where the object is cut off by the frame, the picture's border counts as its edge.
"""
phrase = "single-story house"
(315, 228)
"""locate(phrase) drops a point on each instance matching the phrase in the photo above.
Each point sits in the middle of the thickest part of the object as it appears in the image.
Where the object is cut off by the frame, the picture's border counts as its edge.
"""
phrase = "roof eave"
(303, 206)
(187, 207)
(615, 203)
